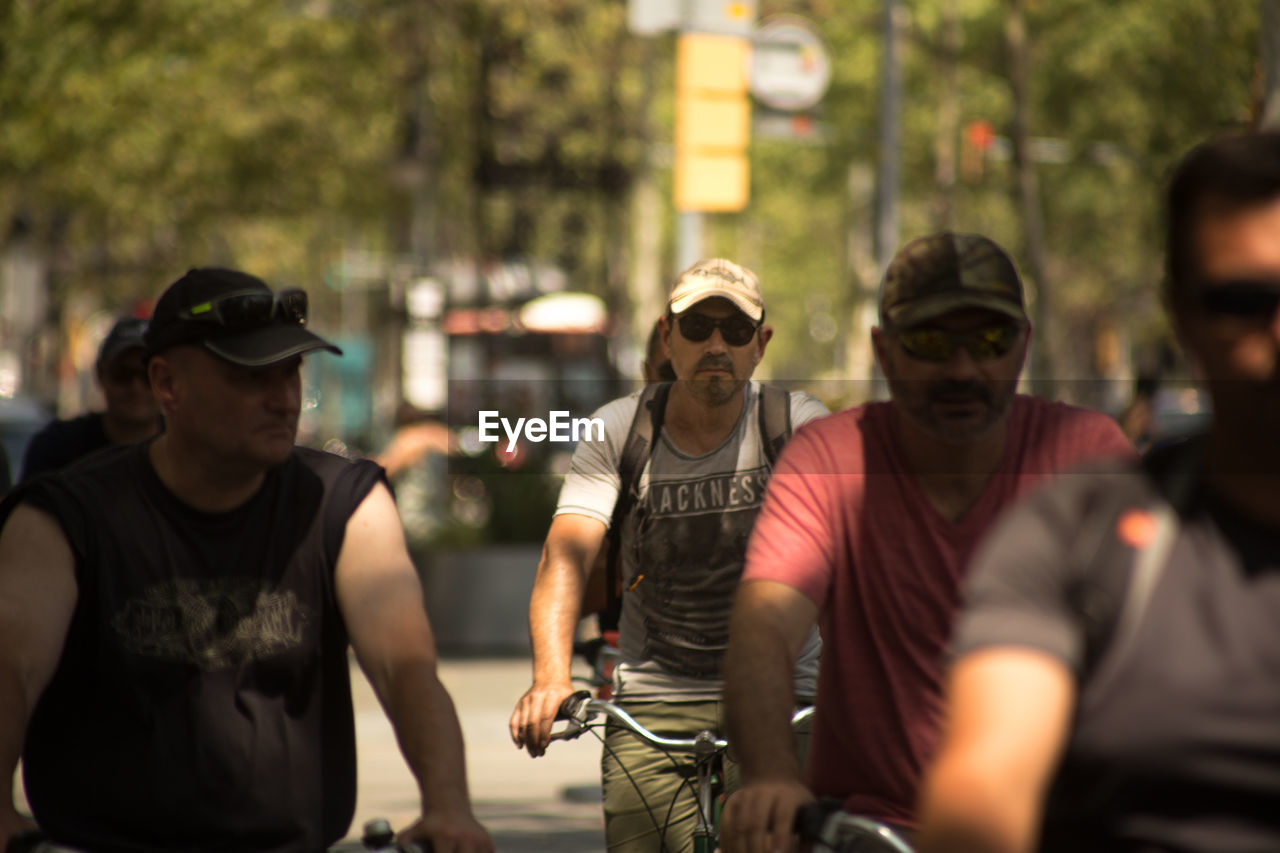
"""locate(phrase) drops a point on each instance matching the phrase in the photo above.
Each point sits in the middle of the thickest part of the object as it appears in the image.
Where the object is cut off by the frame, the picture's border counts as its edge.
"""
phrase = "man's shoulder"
(1059, 412)
(1071, 428)
(79, 428)
(620, 409)
(803, 407)
(838, 443)
(328, 464)
(846, 423)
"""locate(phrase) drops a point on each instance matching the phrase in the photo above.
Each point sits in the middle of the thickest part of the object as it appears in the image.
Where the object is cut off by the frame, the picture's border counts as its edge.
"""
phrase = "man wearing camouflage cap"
(869, 522)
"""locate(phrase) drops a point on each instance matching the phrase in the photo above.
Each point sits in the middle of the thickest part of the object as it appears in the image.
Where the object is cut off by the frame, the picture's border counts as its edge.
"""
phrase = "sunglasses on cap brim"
(251, 308)
(737, 329)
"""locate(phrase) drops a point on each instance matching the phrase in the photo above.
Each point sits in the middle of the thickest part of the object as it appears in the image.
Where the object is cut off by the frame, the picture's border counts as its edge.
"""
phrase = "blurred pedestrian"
(1137, 421)
(657, 360)
(597, 597)
(131, 415)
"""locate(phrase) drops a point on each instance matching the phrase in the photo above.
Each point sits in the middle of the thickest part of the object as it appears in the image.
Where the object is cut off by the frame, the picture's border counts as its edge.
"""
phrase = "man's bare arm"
(381, 599)
(567, 556)
(1009, 714)
(769, 626)
(37, 598)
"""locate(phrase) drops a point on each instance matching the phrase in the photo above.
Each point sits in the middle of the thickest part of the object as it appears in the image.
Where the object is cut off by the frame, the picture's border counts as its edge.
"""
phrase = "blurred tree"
(139, 138)
(142, 138)
(1114, 91)
(143, 134)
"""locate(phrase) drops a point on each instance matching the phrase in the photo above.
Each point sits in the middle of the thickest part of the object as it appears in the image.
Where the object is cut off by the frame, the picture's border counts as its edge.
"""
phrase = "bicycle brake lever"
(811, 820)
(574, 710)
(574, 707)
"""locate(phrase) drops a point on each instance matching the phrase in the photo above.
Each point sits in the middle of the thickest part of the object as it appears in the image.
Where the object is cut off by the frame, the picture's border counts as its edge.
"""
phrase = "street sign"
(799, 127)
(790, 66)
(650, 17)
(727, 17)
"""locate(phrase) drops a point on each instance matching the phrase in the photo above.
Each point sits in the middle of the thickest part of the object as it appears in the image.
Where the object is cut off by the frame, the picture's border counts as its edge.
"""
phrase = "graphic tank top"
(202, 700)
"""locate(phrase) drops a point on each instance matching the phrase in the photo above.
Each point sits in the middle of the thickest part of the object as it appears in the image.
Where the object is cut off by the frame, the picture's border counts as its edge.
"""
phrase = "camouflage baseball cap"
(944, 272)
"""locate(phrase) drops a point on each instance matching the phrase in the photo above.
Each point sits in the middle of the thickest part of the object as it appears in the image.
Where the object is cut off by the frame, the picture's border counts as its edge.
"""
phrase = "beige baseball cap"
(718, 277)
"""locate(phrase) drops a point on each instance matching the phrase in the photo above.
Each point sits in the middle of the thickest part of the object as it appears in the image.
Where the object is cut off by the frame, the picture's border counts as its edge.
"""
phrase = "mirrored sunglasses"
(736, 329)
(939, 345)
(252, 308)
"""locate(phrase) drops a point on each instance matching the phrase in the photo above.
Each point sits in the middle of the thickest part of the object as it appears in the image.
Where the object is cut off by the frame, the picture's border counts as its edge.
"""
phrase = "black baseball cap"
(944, 272)
(234, 316)
(125, 335)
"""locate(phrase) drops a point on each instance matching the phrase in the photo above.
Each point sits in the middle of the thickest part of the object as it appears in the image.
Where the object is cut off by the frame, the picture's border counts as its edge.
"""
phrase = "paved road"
(545, 804)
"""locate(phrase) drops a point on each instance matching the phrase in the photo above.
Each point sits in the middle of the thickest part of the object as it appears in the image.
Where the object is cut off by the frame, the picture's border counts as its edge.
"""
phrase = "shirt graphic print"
(212, 624)
(692, 535)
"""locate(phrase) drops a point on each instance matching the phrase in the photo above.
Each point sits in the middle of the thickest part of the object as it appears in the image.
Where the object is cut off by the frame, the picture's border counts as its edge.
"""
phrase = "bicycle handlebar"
(378, 835)
(825, 822)
(822, 822)
(580, 708)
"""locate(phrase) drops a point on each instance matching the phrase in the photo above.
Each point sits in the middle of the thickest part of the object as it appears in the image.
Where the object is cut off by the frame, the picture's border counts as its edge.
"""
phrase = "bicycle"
(378, 836)
(583, 713)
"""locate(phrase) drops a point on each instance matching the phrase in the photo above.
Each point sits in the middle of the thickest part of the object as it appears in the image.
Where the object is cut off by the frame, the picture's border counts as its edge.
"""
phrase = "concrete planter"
(478, 599)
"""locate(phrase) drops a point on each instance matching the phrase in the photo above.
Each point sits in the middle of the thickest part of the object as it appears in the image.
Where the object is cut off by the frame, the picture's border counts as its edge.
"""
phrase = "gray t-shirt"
(683, 547)
(1175, 744)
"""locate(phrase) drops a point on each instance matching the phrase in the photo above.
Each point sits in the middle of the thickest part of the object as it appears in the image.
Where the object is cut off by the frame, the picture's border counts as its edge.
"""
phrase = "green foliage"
(139, 138)
(143, 136)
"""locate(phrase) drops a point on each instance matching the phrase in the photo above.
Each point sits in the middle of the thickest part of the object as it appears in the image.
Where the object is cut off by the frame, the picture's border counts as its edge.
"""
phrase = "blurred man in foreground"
(1115, 684)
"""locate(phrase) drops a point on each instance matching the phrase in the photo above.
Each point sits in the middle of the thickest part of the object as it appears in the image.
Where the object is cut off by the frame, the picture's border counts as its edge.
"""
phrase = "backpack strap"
(775, 420)
(1112, 600)
(646, 425)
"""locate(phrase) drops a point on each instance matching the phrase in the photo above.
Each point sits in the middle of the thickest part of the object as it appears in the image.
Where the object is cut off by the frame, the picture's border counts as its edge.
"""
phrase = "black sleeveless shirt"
(202, 700)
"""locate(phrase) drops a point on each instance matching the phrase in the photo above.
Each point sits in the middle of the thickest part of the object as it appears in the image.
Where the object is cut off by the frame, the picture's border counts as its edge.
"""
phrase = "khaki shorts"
(650, 799)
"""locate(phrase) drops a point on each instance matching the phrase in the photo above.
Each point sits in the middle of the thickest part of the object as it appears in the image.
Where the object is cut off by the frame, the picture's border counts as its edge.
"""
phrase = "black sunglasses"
(124, 373)
(1241, 298)
(938, 345)
(251, 308)
(736, 329)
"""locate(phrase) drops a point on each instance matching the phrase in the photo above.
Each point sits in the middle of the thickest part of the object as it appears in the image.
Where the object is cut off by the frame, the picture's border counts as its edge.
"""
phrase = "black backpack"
(775, 429)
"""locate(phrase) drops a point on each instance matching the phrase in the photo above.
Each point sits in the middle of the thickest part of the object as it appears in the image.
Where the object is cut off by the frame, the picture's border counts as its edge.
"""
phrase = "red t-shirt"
(846, 524)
